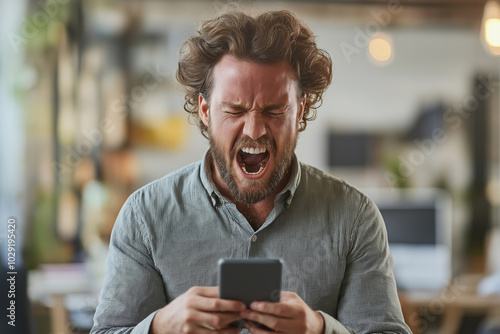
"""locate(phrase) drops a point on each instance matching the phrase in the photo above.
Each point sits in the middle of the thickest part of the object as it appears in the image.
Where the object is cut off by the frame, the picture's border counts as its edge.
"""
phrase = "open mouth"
(253, 160)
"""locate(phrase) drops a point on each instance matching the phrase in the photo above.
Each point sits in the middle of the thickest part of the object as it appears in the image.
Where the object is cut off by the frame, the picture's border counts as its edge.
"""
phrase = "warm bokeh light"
(490, 27)
(380, 49)
(492, 32)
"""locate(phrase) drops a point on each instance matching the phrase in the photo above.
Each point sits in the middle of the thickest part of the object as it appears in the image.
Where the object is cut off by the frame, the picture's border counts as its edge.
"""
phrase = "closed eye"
(275, 113)
(233, 109)
(234, 112)
(275, 110)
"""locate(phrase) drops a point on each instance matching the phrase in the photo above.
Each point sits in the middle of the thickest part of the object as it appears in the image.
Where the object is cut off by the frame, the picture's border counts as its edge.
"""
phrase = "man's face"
(252, 117)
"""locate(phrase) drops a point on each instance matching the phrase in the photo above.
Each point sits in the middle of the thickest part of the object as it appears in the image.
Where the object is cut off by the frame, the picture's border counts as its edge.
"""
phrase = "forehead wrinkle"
(256, 85)
(256, 105)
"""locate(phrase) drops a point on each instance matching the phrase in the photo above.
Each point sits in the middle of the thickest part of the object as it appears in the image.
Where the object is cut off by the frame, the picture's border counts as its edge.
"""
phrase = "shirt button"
(254, 238)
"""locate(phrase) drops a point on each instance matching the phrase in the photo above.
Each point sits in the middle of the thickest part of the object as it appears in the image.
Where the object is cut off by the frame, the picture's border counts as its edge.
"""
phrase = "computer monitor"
(350, 149)
(418, 223)
(410, 223)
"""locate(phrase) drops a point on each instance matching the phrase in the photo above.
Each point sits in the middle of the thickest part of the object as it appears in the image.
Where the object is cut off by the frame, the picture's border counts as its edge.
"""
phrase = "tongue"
(252, 161)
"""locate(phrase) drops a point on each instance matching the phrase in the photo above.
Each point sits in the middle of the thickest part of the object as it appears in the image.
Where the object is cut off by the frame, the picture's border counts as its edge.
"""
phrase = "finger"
(216, 321)
(289, 296)
(205, 291)
(281, 309)
(208, 300)
(215, 305)
(271, 321)
(209, 327)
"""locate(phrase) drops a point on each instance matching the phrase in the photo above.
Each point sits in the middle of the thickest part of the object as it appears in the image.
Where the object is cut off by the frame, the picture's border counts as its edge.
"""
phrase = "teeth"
(257, 172)
(252, 150)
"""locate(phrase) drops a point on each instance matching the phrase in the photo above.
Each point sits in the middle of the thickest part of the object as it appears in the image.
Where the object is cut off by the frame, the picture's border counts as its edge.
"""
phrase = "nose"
(255, 125)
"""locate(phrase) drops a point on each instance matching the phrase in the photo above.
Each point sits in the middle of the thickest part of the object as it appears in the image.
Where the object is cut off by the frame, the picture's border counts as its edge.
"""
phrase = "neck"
(255, 213)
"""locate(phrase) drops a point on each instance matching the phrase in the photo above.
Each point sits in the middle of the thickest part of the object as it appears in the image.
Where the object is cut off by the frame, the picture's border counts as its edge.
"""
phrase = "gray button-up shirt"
(170, 234)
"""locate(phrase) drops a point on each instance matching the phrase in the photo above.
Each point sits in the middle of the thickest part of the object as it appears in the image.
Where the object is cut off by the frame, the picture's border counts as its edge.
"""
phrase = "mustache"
(247, 141)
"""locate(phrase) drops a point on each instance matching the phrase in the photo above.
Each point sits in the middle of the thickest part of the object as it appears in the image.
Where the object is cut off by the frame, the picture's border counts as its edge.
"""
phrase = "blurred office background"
(90, 111)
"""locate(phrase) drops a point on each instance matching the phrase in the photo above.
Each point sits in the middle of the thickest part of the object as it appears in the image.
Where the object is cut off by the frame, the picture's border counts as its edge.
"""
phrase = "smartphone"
(248, 280)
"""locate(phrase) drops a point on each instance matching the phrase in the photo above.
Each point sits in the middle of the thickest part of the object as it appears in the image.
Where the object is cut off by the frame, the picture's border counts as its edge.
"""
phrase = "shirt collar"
(206, 180)
(286, 195)
(289, 191)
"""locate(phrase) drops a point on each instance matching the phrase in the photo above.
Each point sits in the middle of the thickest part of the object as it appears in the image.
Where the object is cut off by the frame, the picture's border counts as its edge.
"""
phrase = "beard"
(255, 190)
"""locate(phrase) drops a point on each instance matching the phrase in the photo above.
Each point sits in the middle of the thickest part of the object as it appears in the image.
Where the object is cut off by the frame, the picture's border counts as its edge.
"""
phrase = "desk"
(52, 284)
(452, 303)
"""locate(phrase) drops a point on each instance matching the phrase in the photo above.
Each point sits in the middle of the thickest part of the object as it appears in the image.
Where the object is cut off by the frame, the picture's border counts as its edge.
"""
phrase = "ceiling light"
(490, 27)
(381, 49)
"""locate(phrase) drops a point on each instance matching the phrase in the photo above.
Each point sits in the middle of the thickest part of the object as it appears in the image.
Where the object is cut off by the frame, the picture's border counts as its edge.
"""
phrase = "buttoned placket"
(252, 241)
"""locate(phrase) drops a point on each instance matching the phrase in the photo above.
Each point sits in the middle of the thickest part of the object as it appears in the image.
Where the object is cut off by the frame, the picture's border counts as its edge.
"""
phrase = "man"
(252, 83)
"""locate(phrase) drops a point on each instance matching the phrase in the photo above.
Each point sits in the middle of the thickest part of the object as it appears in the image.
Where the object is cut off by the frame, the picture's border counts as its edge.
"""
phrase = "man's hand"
(199, 310)
(290, 315)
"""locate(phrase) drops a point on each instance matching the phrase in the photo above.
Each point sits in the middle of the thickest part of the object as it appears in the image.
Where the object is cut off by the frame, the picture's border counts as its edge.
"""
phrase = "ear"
(203, 109)
(301, 111)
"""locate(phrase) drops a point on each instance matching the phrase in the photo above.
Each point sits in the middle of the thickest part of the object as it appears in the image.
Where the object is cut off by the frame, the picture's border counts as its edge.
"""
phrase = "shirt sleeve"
(368, 301)
(133, 290)
(333, 326)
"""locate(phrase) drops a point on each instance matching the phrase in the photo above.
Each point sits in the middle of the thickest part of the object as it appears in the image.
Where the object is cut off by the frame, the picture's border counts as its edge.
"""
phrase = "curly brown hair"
(268, 38)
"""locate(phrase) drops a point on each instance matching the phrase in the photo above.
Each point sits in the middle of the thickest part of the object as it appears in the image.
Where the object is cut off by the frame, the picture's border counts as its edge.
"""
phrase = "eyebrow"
(234, 106)
(240, 107)
(275, 107)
